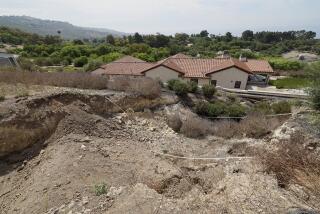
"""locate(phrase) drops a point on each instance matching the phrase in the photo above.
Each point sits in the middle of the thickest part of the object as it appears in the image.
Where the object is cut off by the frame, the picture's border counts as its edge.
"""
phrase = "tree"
(137, 38)
(110, 39)
(182, 38)
(228, 37)
(81, 61)
(247, 35)
(204, 33)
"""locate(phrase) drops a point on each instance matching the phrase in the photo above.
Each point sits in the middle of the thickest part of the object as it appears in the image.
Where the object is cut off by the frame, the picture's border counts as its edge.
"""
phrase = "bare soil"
(98, 139)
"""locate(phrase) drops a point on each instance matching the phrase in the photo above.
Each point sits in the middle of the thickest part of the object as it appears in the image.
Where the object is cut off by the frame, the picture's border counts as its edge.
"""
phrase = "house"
(223, 72)
(8, 60)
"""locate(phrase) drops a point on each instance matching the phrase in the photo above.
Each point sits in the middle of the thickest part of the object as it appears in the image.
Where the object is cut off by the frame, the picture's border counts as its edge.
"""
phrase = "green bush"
(208, 91)
(262, 107)
(202, 108)
(217, 109)
(181, 88)
(236, 110)
(2, 98)
(171, 83)
(81, 61)
(193, 87)
(281, 107)
(100, 189)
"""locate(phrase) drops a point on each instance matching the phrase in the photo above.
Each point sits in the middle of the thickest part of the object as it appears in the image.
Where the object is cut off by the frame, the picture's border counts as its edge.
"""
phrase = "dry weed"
(293, 163)
(143, 86)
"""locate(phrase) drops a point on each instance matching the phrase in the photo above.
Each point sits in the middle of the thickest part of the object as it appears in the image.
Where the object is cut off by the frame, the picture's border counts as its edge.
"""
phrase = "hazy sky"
(170, 16)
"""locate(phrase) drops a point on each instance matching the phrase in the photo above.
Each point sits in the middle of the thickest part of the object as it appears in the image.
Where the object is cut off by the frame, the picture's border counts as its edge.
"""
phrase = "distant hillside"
(48, 27)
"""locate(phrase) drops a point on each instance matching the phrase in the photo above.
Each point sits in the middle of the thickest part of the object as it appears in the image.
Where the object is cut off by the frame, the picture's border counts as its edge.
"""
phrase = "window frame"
(236, 84)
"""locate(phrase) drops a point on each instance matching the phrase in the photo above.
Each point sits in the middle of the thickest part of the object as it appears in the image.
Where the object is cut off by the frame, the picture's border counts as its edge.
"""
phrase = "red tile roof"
(259, 66)
(186, 65)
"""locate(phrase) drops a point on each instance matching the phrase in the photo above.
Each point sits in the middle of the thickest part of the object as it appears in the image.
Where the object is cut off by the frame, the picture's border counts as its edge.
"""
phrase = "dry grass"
(195, 127)
(293, 163)
(253, 126)
(14, 138)
(59, 79)
(174, 122)
(146, 87)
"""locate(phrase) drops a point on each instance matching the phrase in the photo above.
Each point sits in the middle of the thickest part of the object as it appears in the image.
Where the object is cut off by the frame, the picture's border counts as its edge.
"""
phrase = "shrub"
(208, 91)
(2, 97)
(81, 61)
(174, 122)
(171, 83)
(195, 127)
(193, 87)
(216, 109)
(181, 88)
(236, 110)
(202, 108)
(281, 107)
(100, 189)
(262, 107)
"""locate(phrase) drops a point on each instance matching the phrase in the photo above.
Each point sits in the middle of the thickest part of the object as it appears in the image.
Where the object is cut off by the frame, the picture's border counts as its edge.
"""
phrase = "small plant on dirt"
(100, 189)
(208, 91)
(281, 107)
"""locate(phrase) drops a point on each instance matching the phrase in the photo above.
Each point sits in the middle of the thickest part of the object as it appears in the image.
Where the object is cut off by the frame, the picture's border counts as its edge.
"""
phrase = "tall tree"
(137, 38)
(204, 33)
(110, 39)
(247, 35)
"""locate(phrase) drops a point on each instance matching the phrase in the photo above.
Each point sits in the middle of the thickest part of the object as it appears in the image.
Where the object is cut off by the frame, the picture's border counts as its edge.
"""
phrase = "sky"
(174, 16)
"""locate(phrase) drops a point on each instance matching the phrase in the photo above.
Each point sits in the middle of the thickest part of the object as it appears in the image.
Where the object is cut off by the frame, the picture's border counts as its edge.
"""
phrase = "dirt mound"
(95, 145)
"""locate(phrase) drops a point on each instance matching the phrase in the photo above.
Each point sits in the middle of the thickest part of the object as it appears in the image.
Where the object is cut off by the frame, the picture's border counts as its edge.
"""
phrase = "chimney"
(242, 58)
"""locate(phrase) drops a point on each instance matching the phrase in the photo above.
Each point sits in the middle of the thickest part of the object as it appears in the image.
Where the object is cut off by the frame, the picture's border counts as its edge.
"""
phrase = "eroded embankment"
(30, 121)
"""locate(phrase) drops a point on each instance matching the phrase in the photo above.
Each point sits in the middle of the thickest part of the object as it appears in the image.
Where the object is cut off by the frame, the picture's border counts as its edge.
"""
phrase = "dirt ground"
(145, 166)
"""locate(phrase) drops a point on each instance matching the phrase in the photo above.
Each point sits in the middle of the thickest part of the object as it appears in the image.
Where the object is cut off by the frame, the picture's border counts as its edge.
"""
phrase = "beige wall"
(162, 73)
(228, 77)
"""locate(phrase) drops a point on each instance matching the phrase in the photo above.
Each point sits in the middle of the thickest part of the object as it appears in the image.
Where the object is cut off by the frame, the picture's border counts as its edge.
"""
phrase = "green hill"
(49, 27)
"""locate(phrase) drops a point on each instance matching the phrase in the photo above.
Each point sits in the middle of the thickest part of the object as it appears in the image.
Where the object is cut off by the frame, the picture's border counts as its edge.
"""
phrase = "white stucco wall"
(227, 78)
(162, 73)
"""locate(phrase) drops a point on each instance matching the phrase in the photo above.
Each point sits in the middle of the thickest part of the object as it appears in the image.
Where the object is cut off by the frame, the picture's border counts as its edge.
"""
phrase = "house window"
(194, 80)
(237, 84)
(214, 82)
